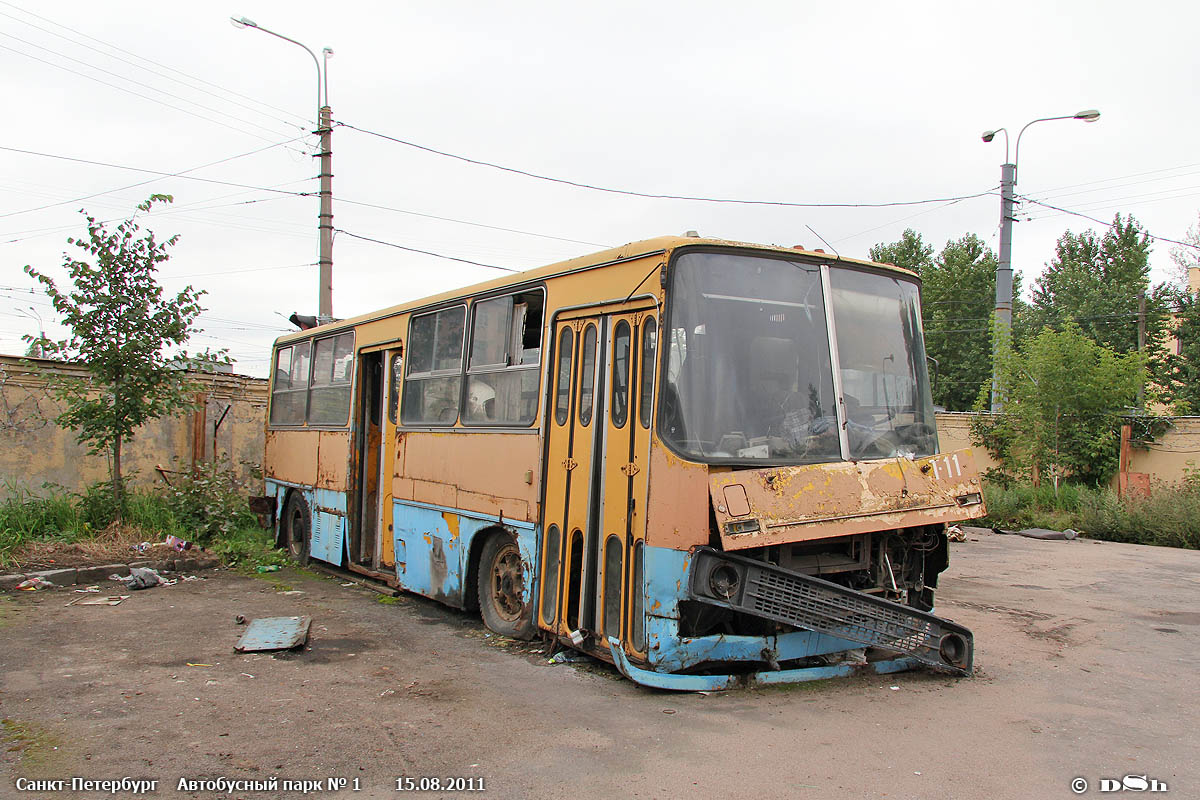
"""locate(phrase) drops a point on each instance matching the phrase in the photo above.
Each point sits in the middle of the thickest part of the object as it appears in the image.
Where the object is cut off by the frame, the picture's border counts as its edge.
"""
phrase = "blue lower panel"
(327, 540)
(434, 543)
(667, 574)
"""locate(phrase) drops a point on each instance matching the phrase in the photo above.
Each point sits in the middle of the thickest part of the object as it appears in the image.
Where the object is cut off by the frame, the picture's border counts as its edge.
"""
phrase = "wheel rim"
(508, 583)
(295, 531)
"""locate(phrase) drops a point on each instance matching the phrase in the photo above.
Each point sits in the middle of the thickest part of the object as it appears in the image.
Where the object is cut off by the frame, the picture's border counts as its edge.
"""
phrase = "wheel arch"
(471, 578)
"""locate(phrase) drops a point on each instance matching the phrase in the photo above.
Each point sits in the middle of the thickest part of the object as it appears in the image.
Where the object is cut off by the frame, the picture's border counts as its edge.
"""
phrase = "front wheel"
(501, 585)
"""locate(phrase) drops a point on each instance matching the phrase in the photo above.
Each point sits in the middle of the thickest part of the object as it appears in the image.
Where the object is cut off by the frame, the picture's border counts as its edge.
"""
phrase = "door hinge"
(631, 469)
(570, 464)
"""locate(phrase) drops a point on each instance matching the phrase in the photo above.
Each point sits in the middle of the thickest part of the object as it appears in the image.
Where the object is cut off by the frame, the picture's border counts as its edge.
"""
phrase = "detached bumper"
(771, 592)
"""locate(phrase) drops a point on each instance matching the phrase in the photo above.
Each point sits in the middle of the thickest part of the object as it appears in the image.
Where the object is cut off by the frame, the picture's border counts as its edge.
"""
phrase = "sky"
(840, 105)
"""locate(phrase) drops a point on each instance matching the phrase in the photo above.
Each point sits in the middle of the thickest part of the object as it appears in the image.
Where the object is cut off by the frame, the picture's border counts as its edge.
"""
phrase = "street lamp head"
(242, 22)
(989, 135)
(327, 52)
(1088, 115)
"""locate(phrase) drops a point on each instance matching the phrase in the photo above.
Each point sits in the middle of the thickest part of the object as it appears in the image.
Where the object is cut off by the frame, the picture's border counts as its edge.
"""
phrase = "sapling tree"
(126, 334)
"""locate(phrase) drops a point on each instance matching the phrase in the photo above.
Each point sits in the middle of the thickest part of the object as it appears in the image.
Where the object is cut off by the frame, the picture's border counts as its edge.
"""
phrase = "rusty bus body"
(704, 461)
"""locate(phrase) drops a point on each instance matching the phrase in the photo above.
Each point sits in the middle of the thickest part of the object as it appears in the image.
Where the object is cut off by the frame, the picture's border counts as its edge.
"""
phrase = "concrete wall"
(34, 450)
(1165, 461)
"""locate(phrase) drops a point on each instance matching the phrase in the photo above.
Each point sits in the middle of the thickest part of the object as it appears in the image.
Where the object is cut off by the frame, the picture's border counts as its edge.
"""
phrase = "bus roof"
(639, 249)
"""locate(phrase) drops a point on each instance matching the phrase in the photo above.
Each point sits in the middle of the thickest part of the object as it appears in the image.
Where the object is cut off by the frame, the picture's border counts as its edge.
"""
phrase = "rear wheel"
(296, 523)
(501, 585)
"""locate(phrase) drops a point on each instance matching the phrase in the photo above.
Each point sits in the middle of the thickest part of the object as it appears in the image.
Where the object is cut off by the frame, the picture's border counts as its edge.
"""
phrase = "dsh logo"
(1129, 783)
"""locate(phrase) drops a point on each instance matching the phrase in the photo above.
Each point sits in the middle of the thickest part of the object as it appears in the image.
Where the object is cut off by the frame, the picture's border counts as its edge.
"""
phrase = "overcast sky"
(802, 102)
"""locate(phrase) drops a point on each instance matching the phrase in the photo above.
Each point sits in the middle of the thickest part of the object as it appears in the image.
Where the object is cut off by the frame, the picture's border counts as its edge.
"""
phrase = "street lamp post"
(325, 132)
(1004, 273)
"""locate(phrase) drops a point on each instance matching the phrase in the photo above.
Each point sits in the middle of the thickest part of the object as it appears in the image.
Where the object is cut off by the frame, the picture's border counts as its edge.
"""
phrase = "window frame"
(498, 368)
(348, 382)
(296, 346)
(434, 374)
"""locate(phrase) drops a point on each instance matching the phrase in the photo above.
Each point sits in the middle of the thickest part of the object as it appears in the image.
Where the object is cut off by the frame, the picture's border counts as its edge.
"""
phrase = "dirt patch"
(115, 545)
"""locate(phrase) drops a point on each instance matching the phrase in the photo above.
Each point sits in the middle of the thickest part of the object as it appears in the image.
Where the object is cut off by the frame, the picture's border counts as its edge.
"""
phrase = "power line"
(305, 120)
(654, 196)
(466, 222)
(256, 109)
(143, 183)
(423, 252)
(137, 94)
(155, 172)
(1106, 224)
(118, 76)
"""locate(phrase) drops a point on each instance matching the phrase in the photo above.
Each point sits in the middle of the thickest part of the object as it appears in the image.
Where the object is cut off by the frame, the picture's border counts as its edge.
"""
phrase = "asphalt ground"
(1086, 669)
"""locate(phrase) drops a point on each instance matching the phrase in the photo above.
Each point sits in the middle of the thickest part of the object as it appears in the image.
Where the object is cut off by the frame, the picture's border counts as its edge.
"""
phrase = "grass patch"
(35, 747)
(1169, 516)
(249, 548)
(387, 600)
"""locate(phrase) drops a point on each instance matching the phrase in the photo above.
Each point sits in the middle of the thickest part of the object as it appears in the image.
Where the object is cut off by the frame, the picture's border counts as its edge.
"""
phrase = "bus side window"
(333, 370)
(646, 395)
(620, 379)
(562, 400)
(502, 384)
(434, 381)
(290, 391)
(394, 388)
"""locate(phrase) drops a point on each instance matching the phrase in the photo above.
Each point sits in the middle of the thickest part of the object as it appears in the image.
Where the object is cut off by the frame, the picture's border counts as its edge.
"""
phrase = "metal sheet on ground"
(274, 633)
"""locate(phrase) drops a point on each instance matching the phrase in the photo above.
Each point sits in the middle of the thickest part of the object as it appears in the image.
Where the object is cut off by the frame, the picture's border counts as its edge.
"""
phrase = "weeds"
(1169, 516)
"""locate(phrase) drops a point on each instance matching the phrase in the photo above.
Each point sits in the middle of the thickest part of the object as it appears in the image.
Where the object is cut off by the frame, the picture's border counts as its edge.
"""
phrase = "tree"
(1186, 257)
(910, 252)
(127, 335)
(1063, 395)
(1095, 281)
(958, 295)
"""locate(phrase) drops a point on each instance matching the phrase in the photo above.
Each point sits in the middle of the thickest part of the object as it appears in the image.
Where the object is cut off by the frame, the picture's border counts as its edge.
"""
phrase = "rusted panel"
(484, 462)
(333, 460)
(677, 506)
(792, 504)
(438, 494)
(494, 506)
(292, 456)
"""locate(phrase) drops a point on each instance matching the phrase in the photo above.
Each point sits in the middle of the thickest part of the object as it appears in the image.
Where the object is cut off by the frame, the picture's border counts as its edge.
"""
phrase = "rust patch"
(451, 524)
(810, 502)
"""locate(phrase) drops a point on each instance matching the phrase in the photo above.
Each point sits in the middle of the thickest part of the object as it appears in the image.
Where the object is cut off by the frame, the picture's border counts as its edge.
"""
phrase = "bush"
(1169, 517)
(209, 501)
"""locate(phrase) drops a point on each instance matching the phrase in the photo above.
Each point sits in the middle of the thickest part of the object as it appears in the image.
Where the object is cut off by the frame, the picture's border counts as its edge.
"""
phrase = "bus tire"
(501, 585)
(297, 520)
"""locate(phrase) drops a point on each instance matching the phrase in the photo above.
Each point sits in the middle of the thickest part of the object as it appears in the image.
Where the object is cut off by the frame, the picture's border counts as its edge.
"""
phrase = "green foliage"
(910, 252)
(1168, 517)
(127, 335)
(209, 500)
(248, 547)
(1180, 374)
(1062, 397)
(1094, 282)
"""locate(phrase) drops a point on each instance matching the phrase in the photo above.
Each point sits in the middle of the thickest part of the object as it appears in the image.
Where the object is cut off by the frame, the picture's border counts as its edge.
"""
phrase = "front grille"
(806, 602)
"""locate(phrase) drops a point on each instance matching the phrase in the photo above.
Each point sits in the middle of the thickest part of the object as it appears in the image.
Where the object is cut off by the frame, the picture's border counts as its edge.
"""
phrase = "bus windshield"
(750, 370)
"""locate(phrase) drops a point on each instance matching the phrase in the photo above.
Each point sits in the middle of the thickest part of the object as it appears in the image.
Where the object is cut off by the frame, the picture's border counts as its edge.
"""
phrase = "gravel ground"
(1085, 655)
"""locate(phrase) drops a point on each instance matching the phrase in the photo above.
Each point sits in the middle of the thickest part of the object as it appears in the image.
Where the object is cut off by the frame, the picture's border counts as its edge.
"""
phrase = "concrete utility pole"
(1004, 272)
(325, 132)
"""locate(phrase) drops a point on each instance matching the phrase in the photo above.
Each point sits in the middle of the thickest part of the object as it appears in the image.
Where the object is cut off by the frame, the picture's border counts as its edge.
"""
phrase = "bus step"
(771, 592)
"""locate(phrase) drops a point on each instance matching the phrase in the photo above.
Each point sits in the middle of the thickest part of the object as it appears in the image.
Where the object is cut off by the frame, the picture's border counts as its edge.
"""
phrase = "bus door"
(371, 546)
(594, 519)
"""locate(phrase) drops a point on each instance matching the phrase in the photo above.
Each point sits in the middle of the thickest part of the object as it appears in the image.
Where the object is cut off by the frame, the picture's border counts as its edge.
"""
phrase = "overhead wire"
(142, 84)
(152, 180)
(423, 252)
(1106, 224)
(138, 94)
(111, 46)
(652, 195)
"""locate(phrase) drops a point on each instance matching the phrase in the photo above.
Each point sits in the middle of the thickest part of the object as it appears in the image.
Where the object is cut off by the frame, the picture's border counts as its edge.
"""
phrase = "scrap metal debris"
(111, 600)
(1041, 533)
(274, 633)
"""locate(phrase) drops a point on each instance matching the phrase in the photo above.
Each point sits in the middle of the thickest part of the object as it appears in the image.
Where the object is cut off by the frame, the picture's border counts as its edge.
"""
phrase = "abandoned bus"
(707, 462)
